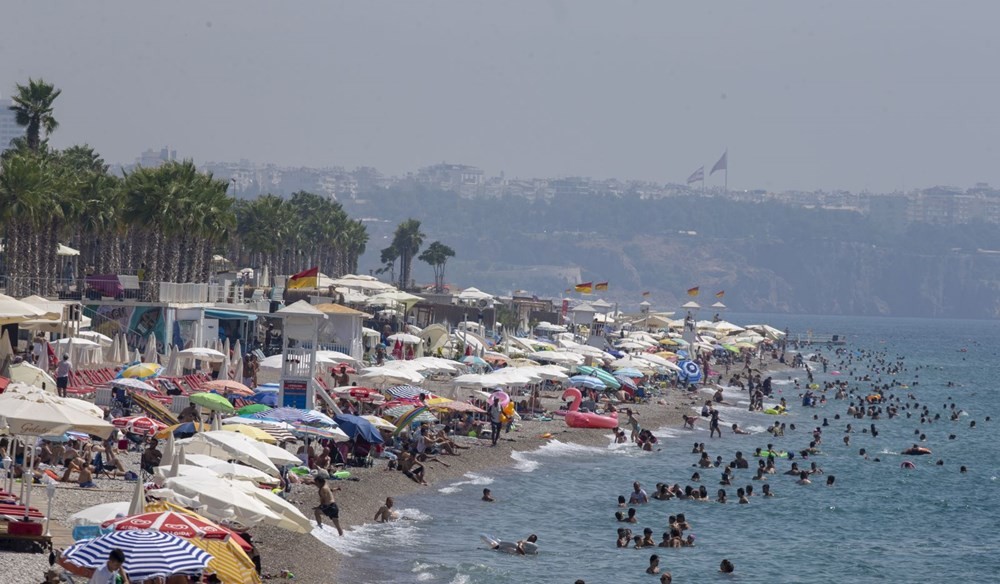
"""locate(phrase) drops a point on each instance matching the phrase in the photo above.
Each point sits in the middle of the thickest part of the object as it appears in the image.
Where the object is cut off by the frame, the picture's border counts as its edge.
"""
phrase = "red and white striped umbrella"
(142, 425)
(181, 525)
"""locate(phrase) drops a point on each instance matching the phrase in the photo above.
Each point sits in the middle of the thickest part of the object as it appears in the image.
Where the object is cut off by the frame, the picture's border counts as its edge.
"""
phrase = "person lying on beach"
(385, 512)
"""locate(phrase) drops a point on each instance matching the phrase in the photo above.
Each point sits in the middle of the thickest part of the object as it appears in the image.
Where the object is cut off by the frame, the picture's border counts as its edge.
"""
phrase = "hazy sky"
(838, 94)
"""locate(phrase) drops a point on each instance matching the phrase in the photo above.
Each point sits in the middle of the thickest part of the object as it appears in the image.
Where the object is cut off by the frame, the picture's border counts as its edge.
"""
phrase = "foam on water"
(360, 539)
(471, 479)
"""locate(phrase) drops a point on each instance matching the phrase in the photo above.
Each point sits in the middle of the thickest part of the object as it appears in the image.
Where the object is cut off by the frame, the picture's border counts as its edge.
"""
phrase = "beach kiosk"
(300, 324)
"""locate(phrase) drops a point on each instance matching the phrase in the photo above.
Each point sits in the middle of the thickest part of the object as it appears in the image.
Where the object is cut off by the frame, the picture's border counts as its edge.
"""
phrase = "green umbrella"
(212, 401)
(252, 409)
(601, 374)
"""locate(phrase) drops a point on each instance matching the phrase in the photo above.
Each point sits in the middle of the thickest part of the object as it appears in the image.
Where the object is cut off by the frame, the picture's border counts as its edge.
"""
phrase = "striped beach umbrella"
(183, 526)
(141, 425)
(405, 391)
(627, 382)
(148, 554)
(410, 416)
(296, 416)
(586, 382)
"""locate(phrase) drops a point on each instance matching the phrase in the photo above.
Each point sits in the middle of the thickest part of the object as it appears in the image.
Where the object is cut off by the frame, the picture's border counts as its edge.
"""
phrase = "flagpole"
(727, 171)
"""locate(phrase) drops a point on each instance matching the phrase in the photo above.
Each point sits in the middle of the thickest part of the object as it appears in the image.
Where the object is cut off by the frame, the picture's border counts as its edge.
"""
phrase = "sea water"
(878, 523)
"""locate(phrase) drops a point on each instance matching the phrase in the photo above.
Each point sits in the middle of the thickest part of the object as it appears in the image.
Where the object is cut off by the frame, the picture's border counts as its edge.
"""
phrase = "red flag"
(601, 286)
(693, 291)
(585, 288)
(646, 293)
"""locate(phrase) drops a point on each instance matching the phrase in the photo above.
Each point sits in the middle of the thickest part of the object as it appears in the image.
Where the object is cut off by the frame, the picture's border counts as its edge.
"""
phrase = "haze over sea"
(879, 523)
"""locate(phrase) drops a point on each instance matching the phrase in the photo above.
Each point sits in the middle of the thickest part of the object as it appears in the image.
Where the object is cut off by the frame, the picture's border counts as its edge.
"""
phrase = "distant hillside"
(766, 256)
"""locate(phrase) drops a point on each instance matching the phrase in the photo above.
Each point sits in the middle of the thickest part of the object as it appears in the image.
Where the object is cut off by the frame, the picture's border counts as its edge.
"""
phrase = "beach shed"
(583, 314)
(343, 329)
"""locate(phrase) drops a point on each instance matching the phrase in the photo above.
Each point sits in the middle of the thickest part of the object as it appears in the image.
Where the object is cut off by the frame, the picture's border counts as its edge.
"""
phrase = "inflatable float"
(767, 453)
(916, 451)
(776, 411)
(509, 547)
(578, 419)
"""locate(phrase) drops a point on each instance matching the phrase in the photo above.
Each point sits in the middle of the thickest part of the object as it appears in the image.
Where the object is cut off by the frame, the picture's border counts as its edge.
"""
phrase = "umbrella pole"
(31, 480)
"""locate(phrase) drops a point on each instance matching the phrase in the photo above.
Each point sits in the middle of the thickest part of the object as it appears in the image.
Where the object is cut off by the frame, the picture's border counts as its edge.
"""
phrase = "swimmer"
(830, 480)
(767, 490)
(907, 465)
(803, 479)
(738, 430)
(654, 564)
(385, 512)
(488, 497)
(520, 545)
(726, 567)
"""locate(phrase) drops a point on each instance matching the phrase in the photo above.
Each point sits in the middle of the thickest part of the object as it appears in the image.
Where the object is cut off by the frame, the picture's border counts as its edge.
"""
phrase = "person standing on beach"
(63, 369)
(633, 424)
(327, 505)
(494, 414)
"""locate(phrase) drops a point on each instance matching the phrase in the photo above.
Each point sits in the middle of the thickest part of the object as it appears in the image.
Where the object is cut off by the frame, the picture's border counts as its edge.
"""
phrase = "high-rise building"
(8, 124)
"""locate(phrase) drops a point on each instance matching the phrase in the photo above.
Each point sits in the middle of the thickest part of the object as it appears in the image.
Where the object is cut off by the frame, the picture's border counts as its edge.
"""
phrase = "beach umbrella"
(211, 401)
(258, 434)
(391, 376)
(406, 391)
(280, 430)
(629, 372)
(28, 374)
(141, 371)
(380, 423)
(296, 416)
(457, 406)
(409, 416)
(148, 554)
(266, 398)
(267, 388)
(608, 379)
(230, 561)
(177, 469)
(231, 446)
(141, 425)
(202, 354)
(473, 360)
(690, 371)
(97, 514)
(185, 428)
(358, 427)
(168, 449)
(228, 386)
(627, 382)
(151, 355)
(241, 472)
(134, 384)
(587, 382)
(252, 409)
(323, 433)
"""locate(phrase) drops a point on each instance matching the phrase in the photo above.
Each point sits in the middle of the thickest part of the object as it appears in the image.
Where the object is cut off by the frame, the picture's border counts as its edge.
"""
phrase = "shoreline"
(359, 500)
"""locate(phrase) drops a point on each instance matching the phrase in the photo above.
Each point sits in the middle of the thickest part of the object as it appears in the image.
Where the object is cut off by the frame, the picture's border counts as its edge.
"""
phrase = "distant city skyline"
(844, 95)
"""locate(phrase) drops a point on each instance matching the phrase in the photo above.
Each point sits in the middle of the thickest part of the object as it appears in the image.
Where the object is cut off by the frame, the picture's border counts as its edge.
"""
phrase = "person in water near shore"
(654, 564)
(385, 512)
(327, 505)
(488, 496)
(738, 430)
(638, 496)
(726, 567)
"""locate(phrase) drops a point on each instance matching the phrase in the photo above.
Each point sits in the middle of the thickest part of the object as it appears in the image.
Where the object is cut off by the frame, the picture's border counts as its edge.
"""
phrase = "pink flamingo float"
(578, 419)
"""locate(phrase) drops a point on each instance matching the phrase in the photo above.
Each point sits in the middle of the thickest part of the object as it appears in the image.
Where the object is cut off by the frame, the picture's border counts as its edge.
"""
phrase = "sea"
(878, 523)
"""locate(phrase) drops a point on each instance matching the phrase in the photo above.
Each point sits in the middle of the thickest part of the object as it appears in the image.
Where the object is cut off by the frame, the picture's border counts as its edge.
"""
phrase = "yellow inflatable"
(507, 413)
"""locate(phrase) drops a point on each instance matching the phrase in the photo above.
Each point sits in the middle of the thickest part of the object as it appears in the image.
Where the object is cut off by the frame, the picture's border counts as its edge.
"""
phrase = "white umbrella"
(224, 498)
(98, 514)
(231, 445)
(151, 355)
(13, 310)
(103, 340)
(130, 383)
(173, 364)
(187, 470)
(30, 375)
(322, 358)
(390, 376)
(76, 342)
(6, 350)
(202, 354)
(277, 454)
(36, 413)
(241, 472)
(168, 449)
(123, 351)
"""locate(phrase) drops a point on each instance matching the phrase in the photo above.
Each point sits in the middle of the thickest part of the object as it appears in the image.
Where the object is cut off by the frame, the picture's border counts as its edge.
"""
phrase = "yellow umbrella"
(229, 562)
(380, 423)
(142, 371)
(668, 342)
(251, 432)
(666, 354)
(437, 402)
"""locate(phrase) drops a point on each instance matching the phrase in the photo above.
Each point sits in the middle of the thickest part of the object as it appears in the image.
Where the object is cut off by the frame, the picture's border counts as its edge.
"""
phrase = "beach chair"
(100, 468)
(81, 532)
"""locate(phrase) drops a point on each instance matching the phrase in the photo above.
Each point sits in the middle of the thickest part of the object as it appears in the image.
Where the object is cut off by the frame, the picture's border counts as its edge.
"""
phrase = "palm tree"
(407, 241)
(437, 255)
(33, 106)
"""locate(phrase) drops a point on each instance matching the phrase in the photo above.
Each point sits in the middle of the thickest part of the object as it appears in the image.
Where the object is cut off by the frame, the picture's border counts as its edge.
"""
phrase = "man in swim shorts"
(327, 505)
(385, 513)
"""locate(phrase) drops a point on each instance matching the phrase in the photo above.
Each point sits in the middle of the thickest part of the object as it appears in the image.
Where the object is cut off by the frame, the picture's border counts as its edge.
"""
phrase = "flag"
(646, 293)
(722, 164)
(697, 175)
(585, 288)
(693, 291)
(568, 290)
(304, 279)
(601, 286)
(720, 294)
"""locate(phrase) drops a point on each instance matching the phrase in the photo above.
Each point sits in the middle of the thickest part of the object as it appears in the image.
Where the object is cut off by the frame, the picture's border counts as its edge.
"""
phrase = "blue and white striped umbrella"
(148, 554)
(586, 382)
(296, 416)
(626, 382)
(690, 371)
(405, 391)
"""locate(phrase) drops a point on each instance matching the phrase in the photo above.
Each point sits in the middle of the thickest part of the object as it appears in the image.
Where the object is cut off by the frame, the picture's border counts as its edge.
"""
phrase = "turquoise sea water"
(879, 523)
